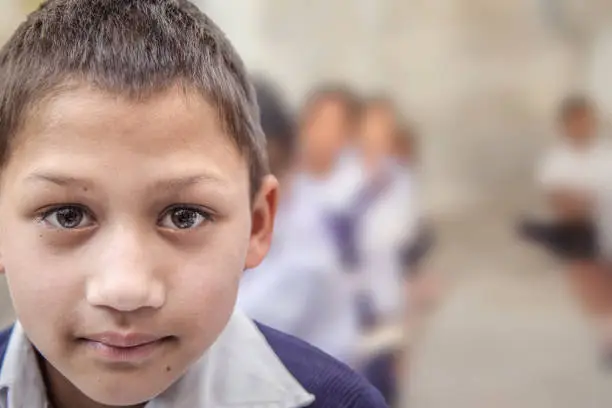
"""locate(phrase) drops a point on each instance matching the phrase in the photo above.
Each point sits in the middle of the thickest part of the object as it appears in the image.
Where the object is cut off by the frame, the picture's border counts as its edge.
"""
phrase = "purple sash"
(343, 226)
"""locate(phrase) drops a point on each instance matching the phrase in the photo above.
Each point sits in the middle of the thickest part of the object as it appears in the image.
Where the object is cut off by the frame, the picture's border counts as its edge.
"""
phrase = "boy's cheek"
(2, 234)
(43, 304)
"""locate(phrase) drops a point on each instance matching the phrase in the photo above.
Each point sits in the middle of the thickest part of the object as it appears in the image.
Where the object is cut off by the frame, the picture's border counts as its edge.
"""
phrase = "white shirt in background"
(384, 230)
(300, 288)
(567, 167)
(333, 191)
(389, 224)
(590, 171)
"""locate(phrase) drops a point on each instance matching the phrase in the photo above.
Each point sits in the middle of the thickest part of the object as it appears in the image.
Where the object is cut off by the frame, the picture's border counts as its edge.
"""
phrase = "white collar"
(239, 370)
(21, 383)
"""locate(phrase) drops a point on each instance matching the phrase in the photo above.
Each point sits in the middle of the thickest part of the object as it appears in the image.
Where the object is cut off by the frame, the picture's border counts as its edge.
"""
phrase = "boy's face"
(581, 126)
(124, 230)
(326, 130)
(403, 144)
(378, 130)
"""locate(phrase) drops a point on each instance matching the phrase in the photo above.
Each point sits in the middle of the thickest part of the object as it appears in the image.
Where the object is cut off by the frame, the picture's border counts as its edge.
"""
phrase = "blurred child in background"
(298, 288)
(380, 209)
(571, 176)
(328, 123)
(377, 221)
(422, 287)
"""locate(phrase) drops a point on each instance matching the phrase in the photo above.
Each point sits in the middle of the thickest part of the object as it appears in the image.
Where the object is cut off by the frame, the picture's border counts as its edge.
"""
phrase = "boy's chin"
(124, 395)
(126, 390)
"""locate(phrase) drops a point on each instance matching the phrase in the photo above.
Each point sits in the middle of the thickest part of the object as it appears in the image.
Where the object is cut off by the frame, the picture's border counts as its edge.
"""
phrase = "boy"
(422, 287)
(298, 289)
(382, 206)
(571, 176)
(328, 123)
(382, 211)
(135, 191)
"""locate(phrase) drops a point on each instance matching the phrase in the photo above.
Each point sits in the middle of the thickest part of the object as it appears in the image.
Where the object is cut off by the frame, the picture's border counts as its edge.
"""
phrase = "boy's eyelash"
(204, 212)
(48, 211)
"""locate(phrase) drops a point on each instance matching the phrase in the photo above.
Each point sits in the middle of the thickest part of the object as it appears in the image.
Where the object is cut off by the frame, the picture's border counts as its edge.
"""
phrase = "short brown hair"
(336, 93)
(575, 105)
(133, 48)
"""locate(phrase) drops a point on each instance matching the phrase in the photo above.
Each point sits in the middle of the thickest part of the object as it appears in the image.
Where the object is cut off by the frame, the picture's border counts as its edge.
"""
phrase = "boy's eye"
(68, 217)
(183, 218)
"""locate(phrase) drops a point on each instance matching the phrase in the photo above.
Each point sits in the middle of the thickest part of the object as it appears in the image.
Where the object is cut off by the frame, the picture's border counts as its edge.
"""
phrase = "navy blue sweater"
(332, 383)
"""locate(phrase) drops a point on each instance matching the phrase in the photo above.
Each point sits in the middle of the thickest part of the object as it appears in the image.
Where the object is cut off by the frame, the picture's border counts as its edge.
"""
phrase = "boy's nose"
(125, 278)
(125, 294)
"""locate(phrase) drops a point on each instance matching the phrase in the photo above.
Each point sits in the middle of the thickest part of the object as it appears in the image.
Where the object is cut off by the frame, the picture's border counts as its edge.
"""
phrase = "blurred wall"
(10, 15)
(600, 71)
(480, 77)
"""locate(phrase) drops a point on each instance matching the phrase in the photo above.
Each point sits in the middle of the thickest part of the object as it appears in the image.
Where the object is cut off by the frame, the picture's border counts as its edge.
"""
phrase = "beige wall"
(600, 71)
(10, 16)
(481, 77)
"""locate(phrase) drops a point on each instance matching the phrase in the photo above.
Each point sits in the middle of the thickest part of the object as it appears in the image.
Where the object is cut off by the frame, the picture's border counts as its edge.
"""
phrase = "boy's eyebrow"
(176, 183)
(57, 179)
(181, 182)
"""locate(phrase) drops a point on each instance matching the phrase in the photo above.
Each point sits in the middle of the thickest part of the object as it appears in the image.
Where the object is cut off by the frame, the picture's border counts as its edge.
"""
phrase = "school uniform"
(387, 227)
(373, 219)
(581, 171)
(568, 167)
(374, 216)
(377, 221)
(418, 244)
(331, 194)
(299, 288)
(333, 190)
(249, 365)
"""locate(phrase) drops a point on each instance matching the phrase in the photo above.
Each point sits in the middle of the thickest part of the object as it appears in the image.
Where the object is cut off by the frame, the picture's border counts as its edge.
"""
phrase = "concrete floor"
(508, 335)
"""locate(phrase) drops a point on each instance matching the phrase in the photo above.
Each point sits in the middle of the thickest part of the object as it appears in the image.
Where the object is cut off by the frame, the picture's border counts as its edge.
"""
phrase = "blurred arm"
(570, 204)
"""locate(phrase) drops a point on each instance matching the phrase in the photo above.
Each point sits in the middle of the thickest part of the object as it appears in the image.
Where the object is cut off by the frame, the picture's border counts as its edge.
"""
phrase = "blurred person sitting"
(571, 176)
(298, 288)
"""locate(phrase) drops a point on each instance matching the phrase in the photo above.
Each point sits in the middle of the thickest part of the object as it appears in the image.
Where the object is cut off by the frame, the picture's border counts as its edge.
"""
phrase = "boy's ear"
(262, 226)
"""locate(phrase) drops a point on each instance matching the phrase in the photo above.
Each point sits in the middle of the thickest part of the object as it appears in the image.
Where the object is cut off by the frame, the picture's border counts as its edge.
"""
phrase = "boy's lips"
(117, 347)
(123, 340)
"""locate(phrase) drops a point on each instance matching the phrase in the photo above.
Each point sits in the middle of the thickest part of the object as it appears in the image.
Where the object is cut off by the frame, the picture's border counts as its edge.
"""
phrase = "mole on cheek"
(168, 369)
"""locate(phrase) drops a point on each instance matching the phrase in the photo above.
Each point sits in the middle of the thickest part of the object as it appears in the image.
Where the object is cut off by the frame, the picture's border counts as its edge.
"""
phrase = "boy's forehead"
(84, 106)
(580, 115)
(328, 102)
(173, 125)
(85, 113)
